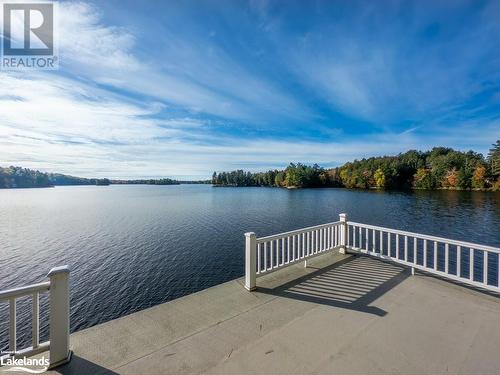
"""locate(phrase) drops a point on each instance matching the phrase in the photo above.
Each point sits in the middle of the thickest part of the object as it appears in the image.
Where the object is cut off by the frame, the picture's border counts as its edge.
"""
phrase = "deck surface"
(340, 315)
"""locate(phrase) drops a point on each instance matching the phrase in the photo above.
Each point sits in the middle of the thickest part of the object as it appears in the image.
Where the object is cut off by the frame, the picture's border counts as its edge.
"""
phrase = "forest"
(439, 168)
(17, 177)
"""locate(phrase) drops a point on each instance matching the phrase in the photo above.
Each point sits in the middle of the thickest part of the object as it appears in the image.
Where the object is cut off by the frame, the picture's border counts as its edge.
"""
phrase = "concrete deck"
(341, 315)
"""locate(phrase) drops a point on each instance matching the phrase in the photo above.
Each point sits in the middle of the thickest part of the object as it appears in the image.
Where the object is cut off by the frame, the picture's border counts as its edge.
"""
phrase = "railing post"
(343, 233)
(250, 261)
(59, 316)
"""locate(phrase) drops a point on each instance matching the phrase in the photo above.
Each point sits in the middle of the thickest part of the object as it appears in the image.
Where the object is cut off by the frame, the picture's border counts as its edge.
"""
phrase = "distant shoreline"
(17, 177)
(440, 168)
(269, 187)
(93, 185)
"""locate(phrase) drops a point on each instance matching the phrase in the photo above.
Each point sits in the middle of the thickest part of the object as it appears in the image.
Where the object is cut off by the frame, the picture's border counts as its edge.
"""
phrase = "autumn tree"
(423, 179)
(479, 177)
(379, 177)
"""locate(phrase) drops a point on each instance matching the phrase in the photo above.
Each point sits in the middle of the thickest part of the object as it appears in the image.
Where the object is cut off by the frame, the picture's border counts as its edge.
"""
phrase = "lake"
(130, 247)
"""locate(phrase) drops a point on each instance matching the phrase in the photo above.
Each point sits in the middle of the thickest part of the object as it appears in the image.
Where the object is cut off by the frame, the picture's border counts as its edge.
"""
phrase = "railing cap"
(57, 270)
(250, 234)
(343, 216)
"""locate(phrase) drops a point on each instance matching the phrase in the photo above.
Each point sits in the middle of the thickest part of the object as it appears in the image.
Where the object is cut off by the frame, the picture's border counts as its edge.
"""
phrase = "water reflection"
(131, 247)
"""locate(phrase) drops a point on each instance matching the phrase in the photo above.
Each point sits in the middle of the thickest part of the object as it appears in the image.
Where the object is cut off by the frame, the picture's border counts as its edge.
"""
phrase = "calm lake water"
(132, 247)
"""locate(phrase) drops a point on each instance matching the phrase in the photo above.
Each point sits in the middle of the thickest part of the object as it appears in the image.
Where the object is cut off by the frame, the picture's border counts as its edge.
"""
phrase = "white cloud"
(375, 64)
(69, 122)
(85, 41)
(53, 106)
(67, 126)
(194, 75)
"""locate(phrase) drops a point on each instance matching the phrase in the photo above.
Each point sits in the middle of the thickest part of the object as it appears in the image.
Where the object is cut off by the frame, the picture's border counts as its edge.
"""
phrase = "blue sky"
(183, 88)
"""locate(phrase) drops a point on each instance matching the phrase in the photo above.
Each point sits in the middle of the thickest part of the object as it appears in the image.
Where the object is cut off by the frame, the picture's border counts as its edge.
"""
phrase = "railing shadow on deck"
(353, 283)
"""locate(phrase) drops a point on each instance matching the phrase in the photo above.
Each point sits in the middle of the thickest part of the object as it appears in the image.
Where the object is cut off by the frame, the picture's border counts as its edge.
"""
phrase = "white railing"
(271, 253)
(466, 262)
(58, 289)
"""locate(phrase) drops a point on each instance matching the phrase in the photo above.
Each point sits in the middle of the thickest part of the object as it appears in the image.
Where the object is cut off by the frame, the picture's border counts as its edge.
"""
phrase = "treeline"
(439, 168)
(66, 180)
(162, 181)
(195, 182)
(17, 177)
(295, 175)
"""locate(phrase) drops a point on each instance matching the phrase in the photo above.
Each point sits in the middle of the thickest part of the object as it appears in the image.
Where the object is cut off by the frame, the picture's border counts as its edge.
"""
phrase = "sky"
(149, 89)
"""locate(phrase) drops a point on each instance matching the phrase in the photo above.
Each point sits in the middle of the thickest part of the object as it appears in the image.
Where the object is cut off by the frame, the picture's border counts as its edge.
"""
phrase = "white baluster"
(389, 244)
(435, 255)
(485, 267)
(303, 246)
(415, 244)
(320, 241)
(330, 237)
(498, 272)
(397, 246)
(35, 321)
(373, 240)
(265, 257)
(282, 251)
(308, 243)
(258, 258)
(288, 249)
(425, 253)
(271, 253)
(326, 235)
(406, 248)
(360, 244)
(471, 264)
(446, 257)
(13, 325)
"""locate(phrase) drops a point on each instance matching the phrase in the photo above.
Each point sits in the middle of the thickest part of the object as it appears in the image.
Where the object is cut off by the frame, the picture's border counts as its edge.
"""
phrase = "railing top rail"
(24, 290)
(295, 232)
(428, 237)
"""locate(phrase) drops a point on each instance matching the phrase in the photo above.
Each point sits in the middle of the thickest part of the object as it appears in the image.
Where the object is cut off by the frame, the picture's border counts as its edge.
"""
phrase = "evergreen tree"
(494, 159)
